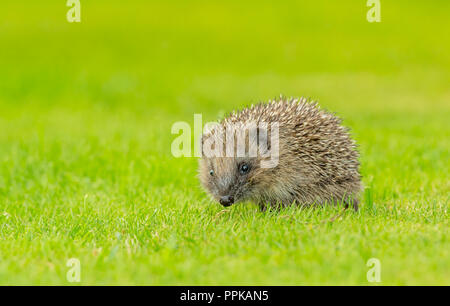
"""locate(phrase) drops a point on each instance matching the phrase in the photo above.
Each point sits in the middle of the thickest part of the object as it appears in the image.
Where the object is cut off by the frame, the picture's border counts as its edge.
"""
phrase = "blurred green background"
(85, 114)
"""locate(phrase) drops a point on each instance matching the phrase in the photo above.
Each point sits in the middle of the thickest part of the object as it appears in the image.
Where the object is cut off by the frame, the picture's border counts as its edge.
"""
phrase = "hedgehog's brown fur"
(318, 161)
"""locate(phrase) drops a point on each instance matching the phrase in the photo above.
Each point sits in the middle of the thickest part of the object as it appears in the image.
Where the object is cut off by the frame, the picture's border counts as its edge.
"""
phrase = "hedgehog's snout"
(226, 200)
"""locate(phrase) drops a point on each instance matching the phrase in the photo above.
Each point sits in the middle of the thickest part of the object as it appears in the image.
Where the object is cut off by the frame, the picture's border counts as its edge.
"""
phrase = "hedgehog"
(314, 161)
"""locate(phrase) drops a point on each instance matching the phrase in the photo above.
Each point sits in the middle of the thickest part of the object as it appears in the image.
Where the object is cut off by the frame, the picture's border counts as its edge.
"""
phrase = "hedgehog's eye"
(211, 172)
(244, 168)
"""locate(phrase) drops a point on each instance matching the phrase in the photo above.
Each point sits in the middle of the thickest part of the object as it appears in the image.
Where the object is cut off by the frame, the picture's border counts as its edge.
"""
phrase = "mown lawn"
(86, 112)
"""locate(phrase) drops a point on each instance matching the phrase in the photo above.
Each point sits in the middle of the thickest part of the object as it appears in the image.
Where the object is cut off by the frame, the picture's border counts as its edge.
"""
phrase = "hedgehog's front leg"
(262, 206)
(353, 202)
(275, 206)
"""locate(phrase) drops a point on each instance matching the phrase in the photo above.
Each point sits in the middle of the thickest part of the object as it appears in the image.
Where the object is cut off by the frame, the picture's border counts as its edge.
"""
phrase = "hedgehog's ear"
(202, 153)
(257, 140)
(212, 140)
(263, 140)
(269, 145)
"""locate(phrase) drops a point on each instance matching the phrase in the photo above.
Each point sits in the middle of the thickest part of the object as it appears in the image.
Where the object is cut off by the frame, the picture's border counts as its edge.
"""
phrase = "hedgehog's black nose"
(226, 200)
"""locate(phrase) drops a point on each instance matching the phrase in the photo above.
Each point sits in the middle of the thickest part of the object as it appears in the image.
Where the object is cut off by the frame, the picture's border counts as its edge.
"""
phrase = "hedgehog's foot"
(272, 206)
(353, 202)
(262, 207)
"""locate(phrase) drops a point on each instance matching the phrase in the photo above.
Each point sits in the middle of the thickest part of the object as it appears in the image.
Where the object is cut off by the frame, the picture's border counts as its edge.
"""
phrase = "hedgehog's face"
(229, 180)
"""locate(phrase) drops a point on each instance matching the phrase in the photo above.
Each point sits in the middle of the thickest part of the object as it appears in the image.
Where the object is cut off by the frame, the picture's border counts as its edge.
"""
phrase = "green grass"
(85, 164)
